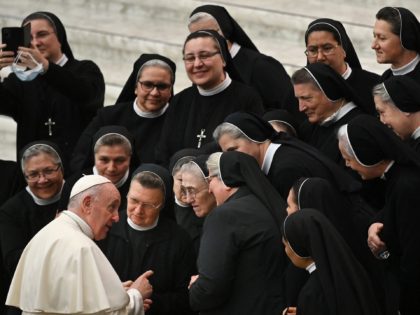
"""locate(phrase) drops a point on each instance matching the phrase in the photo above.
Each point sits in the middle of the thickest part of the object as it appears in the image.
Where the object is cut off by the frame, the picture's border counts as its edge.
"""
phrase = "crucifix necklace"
(200, 137)
(49, 123)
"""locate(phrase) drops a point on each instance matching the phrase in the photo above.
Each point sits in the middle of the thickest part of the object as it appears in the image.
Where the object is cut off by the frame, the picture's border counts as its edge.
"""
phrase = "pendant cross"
(49, 123)
(200, 137)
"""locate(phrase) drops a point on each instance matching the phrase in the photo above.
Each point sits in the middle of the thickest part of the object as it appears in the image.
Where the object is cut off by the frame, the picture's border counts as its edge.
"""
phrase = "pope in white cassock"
(62, 271)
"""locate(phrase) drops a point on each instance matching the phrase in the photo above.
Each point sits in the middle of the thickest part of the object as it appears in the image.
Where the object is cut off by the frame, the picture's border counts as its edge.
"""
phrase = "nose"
(116, 217)
(111, 165)
(154, 91)
(189, 198)
(197, 62)
(302, 106)
(374, 44)
(42, 178)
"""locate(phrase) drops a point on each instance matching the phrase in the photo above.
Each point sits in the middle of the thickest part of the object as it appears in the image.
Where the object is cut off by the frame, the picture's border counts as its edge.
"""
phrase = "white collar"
(141, 228)
(86, 229)
(383, 176)
(343, 110)
(311, 268)
(409, 67)
(347, 73)
(62, 61)
(181, 204)
(268, 157)
(120, 182)
(234, 49)
(416, 133)
(144, 114)
(45, 202)
(217, 89)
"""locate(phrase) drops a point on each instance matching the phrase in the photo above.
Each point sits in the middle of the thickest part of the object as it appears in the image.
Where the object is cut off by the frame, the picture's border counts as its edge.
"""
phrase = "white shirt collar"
(347, 73)
(416, 133)
(144, 114)
(217, 89)
(62, 61)
(86, 229)
(120, 182)
(268, 157)
(141, 228)
(383, 176)
(340, 113)
(234, 49)
(45, 202)
(409, 67)
(311, 268)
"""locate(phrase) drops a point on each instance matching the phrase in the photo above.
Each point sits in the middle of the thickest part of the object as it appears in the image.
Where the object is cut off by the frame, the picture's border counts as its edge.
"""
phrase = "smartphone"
(14, 37)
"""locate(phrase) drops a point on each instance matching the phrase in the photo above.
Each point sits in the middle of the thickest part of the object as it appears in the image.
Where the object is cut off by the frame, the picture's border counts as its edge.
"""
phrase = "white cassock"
(63, 271)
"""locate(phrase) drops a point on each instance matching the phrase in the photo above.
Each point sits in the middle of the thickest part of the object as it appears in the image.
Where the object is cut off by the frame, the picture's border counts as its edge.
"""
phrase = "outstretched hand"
(143, 285)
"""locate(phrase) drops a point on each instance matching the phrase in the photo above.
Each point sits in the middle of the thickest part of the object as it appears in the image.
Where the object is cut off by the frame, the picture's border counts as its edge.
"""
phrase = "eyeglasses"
(143, 205)
(41, 35)
(192, 192)
(203, 56)
(148, 86)
(327, 49)
(48, 173)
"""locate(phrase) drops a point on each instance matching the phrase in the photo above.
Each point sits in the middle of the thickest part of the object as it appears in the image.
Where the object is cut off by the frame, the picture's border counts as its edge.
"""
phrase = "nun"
(241, 263)
(57, 95)
(184, 213)
(141, 109)
(282, 158)
(337, 283)
(215, 93)
(374, 151)
(328, 102)
(396, 41)
(397, 102)
(112, 154)
(27, 212)
(327, 42)
(264, 73)
(144, 239)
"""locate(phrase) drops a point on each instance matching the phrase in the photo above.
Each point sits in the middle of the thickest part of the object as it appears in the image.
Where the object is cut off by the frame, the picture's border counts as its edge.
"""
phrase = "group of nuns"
(353, 201)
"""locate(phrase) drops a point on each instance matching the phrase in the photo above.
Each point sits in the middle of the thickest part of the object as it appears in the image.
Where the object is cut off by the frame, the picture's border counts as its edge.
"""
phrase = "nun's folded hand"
(374, 242)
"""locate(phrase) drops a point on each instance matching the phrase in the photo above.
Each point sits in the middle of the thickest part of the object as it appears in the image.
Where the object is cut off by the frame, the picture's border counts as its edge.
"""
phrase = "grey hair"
(156, 63)
(111, 139)
(227, 128)
(201, 16)
(213, 164)
(381, 91)
(76, 200)
(36, 150)
(178, 165)
(150, 180)
(303, 76)
(193, 169)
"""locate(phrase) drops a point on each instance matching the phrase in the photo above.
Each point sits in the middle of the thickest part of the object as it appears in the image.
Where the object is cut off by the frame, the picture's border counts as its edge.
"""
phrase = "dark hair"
(392, 16)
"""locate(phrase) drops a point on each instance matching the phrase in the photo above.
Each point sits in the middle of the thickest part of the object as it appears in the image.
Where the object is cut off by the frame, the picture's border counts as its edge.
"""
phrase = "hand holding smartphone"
(14, 37)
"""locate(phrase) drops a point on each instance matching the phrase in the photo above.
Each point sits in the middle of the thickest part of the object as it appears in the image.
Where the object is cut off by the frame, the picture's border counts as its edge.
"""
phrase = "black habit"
(145, 131)
(165, 249)
(342, 283)
(264, 73)
(68, 95)
(191, 114)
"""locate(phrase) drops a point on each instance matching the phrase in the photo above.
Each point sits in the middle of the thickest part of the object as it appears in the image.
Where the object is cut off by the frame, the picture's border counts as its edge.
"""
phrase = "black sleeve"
(176, 301)
(216, 264)
(84, 85)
